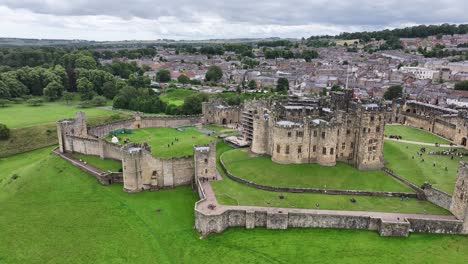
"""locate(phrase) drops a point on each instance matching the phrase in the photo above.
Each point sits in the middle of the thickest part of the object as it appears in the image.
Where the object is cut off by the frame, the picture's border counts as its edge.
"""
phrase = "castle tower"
(459, 205)
(73, 127)
(260, 134)
(137, 123)
(205, 161)
(368, 152)
(132, 168)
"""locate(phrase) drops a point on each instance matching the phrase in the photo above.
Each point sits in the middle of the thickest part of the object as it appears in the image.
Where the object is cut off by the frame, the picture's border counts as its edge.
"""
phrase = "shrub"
(35, 101)
(4, 102)
(4, 132)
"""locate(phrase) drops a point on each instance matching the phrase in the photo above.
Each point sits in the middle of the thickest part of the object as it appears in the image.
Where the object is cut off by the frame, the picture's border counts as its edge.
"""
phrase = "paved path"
(79, 164)
(423, 143)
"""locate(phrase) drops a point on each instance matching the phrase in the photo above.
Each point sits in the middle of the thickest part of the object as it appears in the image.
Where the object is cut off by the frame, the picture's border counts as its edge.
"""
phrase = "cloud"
(200, 19)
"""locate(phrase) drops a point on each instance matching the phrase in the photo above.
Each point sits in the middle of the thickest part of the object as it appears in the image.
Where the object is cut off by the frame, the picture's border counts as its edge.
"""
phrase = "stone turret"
(205, 161)
(459, 205)
(72, 127)
(133, 165)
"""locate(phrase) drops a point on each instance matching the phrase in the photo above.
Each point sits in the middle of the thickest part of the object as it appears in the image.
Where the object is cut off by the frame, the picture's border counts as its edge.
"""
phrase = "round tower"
(132, 171)
(260, 134)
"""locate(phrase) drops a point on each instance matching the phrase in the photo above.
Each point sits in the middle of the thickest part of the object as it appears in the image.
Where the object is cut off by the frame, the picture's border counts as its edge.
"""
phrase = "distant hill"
(21, 42)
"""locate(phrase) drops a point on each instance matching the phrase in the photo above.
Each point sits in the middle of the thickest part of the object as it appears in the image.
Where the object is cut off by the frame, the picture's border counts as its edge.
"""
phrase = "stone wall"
(437, 197)
(459, 206)
(283, 218)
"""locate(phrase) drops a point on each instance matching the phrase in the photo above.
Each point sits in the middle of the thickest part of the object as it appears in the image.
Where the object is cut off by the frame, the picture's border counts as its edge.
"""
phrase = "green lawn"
(399, 157)
(414, 134)
(23, 115)
(176, 96)
(260, 169)
(233, 193)
(103, 164)
(55, 213)
(160, 138)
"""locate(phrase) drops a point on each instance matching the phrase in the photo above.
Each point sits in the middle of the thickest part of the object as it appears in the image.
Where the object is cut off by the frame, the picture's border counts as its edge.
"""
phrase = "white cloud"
(202, 19)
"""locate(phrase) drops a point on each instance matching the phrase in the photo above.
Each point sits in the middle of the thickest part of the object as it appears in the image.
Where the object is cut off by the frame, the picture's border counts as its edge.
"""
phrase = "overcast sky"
(206, 19)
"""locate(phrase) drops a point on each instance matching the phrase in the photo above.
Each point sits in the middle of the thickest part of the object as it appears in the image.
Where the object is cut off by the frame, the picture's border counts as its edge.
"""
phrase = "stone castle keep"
(295, 130)
(309, 131)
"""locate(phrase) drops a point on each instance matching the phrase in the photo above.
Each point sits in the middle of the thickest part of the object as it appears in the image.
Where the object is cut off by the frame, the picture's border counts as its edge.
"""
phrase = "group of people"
(172, 143)
(395, 137)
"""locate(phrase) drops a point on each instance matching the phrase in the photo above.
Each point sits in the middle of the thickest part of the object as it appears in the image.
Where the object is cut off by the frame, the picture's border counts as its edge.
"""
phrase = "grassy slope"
(399, 157)
(103, 164)
(414, 134)
(54, 213)
(176, 96)
(159, 138)
(260, 169)
(233, 193)
(23, 115)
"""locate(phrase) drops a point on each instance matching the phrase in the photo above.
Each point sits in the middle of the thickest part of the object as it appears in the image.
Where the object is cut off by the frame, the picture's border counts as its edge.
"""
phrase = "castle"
(293, 130)
(309, 131)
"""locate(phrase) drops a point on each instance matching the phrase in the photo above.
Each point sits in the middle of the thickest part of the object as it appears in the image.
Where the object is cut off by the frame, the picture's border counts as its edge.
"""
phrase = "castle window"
(315, 133)
(323, 134)
(374, 148)
(364, 130)
(314, 148)
(332, 150)
(206, 171)
(338, 132)
(299, 134)
(324, 151)
(278, 148)
(380, 118)
(377, 129)
(299, 149)
(289, 134)
(287, 149)
(348, 132)
(343, 145)
(368, 130)
(372, 118)
(352, 145)
(373, 157)
(206, 160)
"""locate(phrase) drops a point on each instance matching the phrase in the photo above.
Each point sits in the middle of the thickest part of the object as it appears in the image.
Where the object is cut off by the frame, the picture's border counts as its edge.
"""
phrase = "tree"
(393, 92)
(53, 91)
(67, 96)
(463, 85)
(193, 104)
(183, 79)
(139, 81)
(163, 75)
(4, 91)
(282, 86)
(336, 88)
(85, 88)
(109, 89)
(252, 85)
(4, 132)
(214, 74)
(85, 62)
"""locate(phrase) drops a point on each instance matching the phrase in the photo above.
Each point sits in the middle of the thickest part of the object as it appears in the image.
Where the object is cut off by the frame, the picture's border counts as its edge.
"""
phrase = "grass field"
(260, 169)
(233, 193)
(399, 157)
(160, 138)
(54, 213)
(103, 164)
(414, 134)
(23, 115)
(176, 96)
